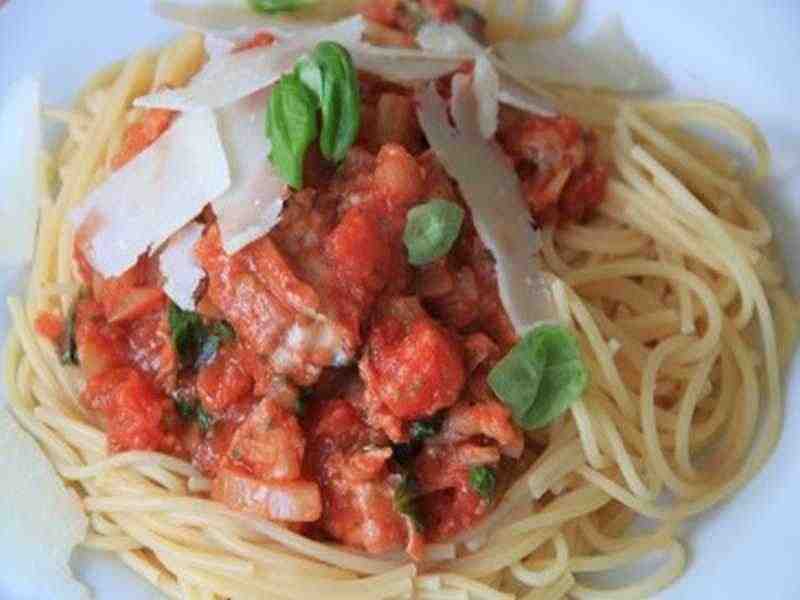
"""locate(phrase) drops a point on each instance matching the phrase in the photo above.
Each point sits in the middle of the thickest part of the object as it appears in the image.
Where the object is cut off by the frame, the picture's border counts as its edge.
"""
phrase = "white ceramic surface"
(745, 53)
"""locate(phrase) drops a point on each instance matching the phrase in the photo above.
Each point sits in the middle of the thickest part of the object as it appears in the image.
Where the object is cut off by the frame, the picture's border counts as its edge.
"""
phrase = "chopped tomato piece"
(101, 345)
(359, 498)
(137, 302)
(211, 450)
(269, 444)
(396, 122)
(451, 511)
(150, 346)
(293, 501)
(262, 39)
(441, 10)
(584, 192)
(482, 415)
(439, 467)
(133, 409)
(412, 365)
(141, 134)
(49, 325)
(223, 382)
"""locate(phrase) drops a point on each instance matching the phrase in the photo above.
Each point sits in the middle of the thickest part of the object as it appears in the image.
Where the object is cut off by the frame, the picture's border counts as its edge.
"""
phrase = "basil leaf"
(483, 480)
(188, 333)
(431, 230)
(423, 429)
(205, 420)
(273, 6)
(195, 343)
(309, 72)
(541, 376)
(405, 500)
(224, 331)
(69, 344)
(340, 100)
(185, 406)
(291, 127)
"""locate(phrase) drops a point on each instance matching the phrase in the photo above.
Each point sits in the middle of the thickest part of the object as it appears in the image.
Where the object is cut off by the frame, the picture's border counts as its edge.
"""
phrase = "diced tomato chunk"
(223, 382)
(412, 365)
(441, 10)
(49, 325)
(134, 411)
(293, 501)
(211, 451)
(583, 193)
(451, 511)
(136, 302)
(358, 497)
(141, 134)
(269, 444)
(262, 39)
(358, 249)
(101, 345)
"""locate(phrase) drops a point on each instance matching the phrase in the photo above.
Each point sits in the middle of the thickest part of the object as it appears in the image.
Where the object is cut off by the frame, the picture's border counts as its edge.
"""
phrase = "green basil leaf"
(273, 6)
(421, 430)
(205, 420)
(186, 406)
(405, 500)
(339, 98)
(483, 480)
(188, 333)
(69, 344)
(431, 230)
(291, 127)
(309, 72)
(541, 376)
(224, 331)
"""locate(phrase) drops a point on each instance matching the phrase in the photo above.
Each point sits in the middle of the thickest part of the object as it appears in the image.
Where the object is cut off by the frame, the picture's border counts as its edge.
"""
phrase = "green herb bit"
(205, 420)
(185, 406)
(541, 376)
(339, 98)
(483, 480)
(405, 500)
(291, 126)
(69, 343)
(431, 230)
(423, 429)
(276, 6)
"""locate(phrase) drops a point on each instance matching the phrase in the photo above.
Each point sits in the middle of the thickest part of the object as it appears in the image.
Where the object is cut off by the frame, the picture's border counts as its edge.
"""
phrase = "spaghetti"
(683, 318)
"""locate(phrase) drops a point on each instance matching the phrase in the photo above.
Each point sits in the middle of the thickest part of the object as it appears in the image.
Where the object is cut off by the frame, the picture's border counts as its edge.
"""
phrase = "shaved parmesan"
(177, 263)
(154, 195)
(404, 65)
(231, 77)
(493, 194)
(448, 39)
(608, 60)
(453, 40)
(41, 521)
(20, 122)
(233, 18)
(253, 204)
(487, 88)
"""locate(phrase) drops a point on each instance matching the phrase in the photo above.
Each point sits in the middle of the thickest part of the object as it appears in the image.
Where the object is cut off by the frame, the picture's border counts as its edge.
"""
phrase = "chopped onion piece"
(155, 194)
(493, 194)
(178, 264)
(42, 521)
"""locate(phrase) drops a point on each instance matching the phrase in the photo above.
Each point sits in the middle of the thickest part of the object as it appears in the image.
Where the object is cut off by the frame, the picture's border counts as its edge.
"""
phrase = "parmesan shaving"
(178, 264)
(493, 194)
(487, 88)
(253, 204)
(453, 40)
(155, 194)
(40, 519)
(20, 179)
(227, 78)
(609, 59)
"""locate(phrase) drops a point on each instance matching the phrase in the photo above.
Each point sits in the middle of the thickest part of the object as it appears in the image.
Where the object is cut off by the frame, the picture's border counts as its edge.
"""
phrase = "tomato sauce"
(350, 399)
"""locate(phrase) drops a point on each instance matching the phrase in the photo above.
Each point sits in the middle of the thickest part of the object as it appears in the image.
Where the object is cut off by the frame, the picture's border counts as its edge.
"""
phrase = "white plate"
(744, 53)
